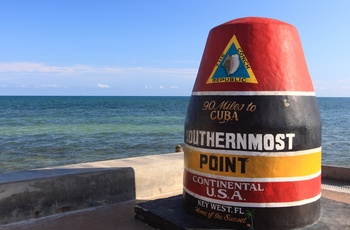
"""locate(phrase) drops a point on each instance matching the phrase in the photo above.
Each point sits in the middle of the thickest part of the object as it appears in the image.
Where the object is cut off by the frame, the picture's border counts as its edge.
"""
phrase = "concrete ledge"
(335, 173)
(42, 192)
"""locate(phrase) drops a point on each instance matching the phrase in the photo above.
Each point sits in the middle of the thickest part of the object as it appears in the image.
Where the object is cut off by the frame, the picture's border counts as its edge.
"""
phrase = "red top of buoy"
(253, 54)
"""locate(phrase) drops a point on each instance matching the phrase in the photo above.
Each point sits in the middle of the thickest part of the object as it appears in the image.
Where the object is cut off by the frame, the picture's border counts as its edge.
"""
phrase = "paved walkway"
(121, 215)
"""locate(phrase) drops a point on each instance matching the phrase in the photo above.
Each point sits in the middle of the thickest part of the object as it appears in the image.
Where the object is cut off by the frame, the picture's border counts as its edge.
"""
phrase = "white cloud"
(29, 67)
(49, 86)
(38, 78)
(41, 68)
(103, 86)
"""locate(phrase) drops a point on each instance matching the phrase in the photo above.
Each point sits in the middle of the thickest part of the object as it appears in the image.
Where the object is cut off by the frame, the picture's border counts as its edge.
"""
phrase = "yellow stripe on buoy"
(250, 166)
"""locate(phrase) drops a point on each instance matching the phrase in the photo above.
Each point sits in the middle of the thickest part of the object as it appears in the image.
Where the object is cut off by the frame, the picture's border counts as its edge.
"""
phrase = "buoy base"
(263, 218)
(168, 213)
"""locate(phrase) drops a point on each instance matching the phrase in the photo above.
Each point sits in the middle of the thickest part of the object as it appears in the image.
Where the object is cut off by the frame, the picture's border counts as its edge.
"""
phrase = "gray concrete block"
(335, 173)
(41, 192)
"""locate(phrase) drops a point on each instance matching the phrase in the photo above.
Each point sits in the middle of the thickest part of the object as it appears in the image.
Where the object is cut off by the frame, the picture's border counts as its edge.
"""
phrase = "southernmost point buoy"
(253, 130)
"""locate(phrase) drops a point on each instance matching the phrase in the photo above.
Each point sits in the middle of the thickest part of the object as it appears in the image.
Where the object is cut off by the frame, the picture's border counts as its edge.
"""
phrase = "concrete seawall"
(42, 192)
(335, 173)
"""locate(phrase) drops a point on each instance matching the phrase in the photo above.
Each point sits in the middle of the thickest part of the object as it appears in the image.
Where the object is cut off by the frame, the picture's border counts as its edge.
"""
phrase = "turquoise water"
(48, 131)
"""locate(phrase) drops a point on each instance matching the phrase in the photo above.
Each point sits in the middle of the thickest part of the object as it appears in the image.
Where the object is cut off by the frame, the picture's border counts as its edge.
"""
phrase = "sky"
(150, 48)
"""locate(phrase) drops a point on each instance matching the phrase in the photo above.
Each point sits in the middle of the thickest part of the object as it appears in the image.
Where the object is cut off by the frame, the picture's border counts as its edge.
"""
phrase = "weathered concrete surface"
(42, 192)
(41, 197)
(106, 217)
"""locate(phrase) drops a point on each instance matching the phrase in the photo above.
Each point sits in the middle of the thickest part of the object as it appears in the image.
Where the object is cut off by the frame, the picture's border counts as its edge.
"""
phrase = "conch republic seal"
(253, 130)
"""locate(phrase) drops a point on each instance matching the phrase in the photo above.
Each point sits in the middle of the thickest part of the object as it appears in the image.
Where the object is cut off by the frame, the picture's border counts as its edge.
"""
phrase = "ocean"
(45, 131)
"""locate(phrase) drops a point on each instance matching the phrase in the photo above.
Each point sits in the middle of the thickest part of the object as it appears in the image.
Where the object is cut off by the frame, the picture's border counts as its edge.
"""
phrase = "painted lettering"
(240, 141)
(223, 164)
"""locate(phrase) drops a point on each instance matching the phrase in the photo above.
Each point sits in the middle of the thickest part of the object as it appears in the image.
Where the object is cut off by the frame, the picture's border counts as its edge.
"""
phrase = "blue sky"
(102, 47)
